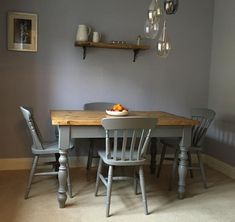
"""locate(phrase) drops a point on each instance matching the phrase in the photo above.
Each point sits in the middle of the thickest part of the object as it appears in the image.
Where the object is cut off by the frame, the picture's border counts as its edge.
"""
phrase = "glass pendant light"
(163, 44)
(154, 12)
(152, 24)
(171, 6)
(151, 30)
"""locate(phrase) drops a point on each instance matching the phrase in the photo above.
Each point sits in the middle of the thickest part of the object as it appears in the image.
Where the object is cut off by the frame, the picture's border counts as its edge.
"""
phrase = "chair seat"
(119, 162)
(49, 148)
(174, 143)
(195, 148)
(171, 142)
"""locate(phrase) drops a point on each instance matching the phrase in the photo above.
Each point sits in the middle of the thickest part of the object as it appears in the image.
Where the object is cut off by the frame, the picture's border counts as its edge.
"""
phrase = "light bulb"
(171, 6)
(151, 15)
(152, 24)
(154, 12)
(151, 30)
(163, 44)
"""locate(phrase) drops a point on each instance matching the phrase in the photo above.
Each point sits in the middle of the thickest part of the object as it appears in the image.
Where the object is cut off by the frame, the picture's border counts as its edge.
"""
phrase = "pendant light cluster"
(154, 23)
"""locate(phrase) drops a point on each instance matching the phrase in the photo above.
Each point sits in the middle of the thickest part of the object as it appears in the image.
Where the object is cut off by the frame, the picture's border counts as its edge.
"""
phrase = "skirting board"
(25, 163)
(219, 165)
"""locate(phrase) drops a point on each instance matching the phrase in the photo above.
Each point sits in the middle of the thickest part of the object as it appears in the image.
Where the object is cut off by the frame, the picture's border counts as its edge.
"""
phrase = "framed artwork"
(22, 31)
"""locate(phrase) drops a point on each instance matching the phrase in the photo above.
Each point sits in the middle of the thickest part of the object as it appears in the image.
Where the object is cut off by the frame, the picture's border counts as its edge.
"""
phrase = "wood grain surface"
(110, 45)
(93, 118)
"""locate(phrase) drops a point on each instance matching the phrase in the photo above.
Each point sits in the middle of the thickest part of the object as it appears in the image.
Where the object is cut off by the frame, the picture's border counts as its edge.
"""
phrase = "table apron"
(98, 131)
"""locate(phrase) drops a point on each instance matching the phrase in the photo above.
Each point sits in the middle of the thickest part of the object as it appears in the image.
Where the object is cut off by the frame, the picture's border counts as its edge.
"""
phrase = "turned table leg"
(64, 140)
(62, 176)
(183, 163)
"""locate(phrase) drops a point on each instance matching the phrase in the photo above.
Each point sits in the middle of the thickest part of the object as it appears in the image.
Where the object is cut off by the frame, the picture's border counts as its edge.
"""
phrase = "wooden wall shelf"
(135, 48)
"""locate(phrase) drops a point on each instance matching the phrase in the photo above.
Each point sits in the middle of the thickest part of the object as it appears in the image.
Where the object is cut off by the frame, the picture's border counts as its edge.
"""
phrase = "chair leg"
(190, 164)
(98, 176)
(174, 168)
(69, 184)
(136, 181)
(161, 160)
(90, 154)
(109, 189)
(57, 163)
(32, 171)
(142, 186)
(201, 165)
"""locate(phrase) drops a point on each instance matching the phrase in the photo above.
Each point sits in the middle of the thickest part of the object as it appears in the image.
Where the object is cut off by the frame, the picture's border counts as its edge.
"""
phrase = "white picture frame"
(22, 31)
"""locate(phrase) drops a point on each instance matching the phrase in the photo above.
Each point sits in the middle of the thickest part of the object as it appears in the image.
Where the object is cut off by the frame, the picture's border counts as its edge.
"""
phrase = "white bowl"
(117, 113)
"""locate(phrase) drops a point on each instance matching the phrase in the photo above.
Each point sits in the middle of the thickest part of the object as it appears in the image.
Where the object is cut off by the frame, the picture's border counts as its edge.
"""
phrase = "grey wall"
(221, 138)
(57, 77)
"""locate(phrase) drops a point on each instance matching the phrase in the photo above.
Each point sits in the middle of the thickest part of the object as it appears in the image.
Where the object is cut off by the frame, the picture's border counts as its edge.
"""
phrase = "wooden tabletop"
(93, 118)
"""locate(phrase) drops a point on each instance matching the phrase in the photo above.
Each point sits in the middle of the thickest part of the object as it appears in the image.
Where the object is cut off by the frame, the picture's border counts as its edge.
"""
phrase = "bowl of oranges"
(117, 110)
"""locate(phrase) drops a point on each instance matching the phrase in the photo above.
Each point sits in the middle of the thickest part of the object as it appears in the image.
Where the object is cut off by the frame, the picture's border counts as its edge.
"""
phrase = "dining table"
(87, 124)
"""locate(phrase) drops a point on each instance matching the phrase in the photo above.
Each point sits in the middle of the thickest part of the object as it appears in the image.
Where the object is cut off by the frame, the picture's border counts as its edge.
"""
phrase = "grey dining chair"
(100, 106)
(40, 148)
(134, 133)
(205, 117)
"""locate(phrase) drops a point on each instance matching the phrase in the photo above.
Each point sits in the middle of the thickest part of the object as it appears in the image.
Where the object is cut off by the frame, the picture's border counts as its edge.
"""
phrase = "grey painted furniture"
(99, 106)
(128, 153)
(205, 117)
(40, 148)
(86, 124)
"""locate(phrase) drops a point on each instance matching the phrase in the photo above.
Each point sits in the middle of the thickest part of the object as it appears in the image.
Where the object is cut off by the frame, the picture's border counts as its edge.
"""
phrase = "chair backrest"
(33, 128)
(205, 117)
(137, 129)
(101, 106)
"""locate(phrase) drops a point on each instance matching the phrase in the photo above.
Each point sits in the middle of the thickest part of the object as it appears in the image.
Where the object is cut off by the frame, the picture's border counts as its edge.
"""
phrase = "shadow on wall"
(223, 130)
(220, 141)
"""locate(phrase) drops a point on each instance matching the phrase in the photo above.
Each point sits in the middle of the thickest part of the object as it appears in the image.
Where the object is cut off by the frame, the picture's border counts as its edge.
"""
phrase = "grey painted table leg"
(153, 153)
(62, 176)
(64, 138)
(184, 145)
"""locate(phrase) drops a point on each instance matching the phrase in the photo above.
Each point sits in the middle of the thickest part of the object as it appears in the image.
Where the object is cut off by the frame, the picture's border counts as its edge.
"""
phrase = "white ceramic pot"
(96, 37)
(83, 33)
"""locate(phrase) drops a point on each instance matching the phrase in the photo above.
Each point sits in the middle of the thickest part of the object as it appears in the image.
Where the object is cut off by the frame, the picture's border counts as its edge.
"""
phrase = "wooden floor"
(217, 203)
